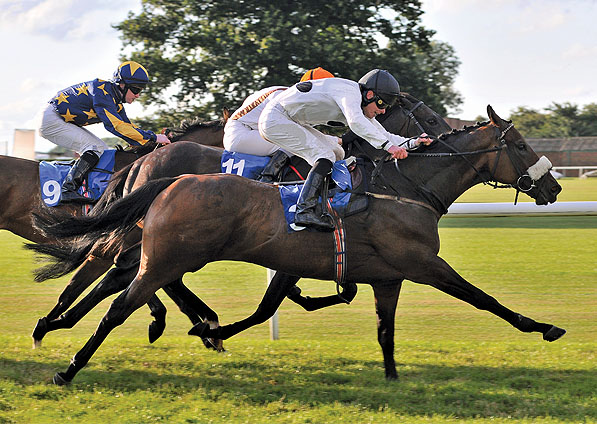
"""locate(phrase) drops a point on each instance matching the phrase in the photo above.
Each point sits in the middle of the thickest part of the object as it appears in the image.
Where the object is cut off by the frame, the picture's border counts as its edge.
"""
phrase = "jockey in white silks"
(241, 133)
(288, 122)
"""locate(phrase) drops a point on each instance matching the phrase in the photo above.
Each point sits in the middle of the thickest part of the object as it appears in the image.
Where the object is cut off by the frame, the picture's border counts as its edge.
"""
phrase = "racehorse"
(192, 220)
(410, 118)
(20, 196)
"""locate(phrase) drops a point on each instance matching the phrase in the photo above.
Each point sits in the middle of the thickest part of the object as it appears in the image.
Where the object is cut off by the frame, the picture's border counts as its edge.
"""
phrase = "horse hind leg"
(197, 311)
(117, 279)
(131, 299)
(85, 275)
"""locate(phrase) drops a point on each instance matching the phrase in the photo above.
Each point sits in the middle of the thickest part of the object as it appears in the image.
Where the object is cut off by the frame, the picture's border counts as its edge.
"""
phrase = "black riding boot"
(306, 215)
(273, 167)
(76, 175)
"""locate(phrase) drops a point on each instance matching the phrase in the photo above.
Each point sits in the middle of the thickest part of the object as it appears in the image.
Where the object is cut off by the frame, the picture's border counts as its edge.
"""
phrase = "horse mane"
(187, 125)
(138, 150)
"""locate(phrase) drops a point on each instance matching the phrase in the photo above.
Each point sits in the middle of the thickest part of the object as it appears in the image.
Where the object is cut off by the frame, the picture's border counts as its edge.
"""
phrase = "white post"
(273, 321)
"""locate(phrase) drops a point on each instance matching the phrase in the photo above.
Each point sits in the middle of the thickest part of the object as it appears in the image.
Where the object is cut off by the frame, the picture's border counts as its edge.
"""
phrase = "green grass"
(456, 364)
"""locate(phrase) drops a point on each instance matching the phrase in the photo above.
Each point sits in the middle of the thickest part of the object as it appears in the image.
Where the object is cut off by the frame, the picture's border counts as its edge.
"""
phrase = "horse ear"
(493, 117)
(225, 114)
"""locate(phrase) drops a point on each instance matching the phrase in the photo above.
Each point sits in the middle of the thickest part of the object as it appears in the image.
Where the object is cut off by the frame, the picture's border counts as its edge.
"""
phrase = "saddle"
(52, 174)
(346, 190)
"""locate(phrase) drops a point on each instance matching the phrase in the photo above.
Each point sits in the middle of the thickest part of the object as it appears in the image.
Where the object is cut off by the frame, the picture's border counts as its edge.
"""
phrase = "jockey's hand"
(397, 152)
(162, 139)
(340, 141)
(424, 139)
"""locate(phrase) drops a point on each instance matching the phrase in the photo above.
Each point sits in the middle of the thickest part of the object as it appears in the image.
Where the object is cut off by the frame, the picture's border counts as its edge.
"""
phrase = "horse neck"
(441, 180)
(206, 135)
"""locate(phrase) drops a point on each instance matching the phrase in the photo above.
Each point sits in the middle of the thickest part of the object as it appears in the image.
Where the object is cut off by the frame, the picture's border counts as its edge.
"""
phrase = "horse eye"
(432, 121)
(522, 146)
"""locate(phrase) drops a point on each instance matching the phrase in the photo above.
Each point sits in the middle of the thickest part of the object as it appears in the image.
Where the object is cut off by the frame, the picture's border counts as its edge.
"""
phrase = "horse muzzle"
(539, 184)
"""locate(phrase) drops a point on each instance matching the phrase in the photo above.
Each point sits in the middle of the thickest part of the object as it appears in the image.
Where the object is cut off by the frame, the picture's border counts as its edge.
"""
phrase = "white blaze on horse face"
(539, 169)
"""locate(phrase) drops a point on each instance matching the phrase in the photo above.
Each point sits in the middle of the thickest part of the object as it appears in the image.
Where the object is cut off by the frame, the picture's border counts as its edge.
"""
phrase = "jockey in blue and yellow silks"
(92, 102)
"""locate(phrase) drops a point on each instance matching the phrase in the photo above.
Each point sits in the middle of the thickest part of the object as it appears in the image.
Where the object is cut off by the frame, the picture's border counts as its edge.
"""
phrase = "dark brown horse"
(20, 196)
(409, 118)
(180, 233)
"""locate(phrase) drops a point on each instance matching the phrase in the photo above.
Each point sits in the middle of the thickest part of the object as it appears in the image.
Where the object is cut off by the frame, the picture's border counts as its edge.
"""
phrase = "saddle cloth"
(342, 199)
(52, 174)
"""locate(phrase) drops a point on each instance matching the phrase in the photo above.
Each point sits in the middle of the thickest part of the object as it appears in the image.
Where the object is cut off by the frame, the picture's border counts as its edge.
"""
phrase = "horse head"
(409, 117)
(521, 167)
(492, 153)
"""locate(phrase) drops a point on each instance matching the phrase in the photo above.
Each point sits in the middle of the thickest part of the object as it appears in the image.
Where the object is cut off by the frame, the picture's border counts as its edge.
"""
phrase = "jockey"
(89, 103)
(288, 122)
(241, 130)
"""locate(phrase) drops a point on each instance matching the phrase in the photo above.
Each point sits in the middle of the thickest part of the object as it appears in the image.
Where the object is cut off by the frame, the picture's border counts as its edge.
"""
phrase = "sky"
(513, 53)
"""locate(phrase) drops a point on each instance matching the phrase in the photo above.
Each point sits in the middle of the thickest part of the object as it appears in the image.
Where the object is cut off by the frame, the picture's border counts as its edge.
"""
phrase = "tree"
(212, 54)
(559, 120)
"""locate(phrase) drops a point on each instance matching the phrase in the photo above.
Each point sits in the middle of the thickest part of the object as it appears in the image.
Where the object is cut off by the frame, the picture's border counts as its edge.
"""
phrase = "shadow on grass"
(465, 391)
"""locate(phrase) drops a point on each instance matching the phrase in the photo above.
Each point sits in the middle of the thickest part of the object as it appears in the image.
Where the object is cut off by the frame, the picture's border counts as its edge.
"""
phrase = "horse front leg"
(439, 274)
(87, 273)
(386, 300)
(277, 290)
(308, 303)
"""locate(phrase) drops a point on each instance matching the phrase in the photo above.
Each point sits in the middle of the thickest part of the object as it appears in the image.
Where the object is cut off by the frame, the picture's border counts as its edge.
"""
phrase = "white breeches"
(304, 141)
(241, 138)
(68, 135)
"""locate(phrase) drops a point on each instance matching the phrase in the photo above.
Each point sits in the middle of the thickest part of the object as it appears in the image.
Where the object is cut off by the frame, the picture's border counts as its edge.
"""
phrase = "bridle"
(524, 182)
(410, 118)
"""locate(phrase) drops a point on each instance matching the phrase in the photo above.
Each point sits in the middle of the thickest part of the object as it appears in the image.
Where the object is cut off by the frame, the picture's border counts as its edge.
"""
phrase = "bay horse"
(409, 118)
(20, 196)
(192, 220)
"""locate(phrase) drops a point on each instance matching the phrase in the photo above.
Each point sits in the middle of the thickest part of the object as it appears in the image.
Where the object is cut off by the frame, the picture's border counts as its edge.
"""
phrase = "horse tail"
(78, 237)
(114, 190)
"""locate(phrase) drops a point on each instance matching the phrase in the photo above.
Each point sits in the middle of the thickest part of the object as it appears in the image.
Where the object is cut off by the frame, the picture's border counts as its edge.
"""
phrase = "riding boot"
(306, 214)
(273, 167)
(76, 175)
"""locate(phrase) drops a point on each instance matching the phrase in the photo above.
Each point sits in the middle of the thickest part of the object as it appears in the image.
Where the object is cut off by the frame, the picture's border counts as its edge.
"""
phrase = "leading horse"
(409, 118)
(193, 220)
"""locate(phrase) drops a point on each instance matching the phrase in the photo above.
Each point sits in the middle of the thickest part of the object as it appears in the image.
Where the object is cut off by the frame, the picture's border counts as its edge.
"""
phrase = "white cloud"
(61, 19)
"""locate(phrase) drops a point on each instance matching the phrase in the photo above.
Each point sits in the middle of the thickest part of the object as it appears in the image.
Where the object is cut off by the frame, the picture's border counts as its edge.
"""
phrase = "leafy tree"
(209, 54)
(559, 120)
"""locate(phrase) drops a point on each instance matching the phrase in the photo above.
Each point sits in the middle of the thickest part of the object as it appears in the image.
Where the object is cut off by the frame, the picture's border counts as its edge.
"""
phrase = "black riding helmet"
(384, 86)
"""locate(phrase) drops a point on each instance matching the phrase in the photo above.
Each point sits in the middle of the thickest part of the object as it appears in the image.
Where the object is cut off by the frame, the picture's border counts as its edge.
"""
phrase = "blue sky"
(513, 52)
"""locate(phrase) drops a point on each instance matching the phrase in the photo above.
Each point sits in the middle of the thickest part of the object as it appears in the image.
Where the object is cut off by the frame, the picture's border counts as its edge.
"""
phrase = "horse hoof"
(40, 330)
(199, 329)
(156, 329)
(60, 379)
(213, 344)
(553, 333)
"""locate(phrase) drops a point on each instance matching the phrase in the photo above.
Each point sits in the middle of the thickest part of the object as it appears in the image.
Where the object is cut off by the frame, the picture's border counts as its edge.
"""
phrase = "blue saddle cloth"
(251, 166)
(339, 196)
(52, 174)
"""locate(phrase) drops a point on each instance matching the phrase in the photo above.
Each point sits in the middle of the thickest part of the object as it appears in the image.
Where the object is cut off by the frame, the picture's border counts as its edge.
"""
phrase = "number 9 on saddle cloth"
(51, 175)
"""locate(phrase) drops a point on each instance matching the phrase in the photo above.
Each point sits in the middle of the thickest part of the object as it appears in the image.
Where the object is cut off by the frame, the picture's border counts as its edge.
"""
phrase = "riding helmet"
(317, 73)
(131, 73)
(383, 85)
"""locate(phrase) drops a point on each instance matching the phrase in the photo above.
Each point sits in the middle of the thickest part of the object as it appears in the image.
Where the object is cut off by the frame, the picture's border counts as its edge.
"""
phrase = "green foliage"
(559, 120)
(212, 54)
